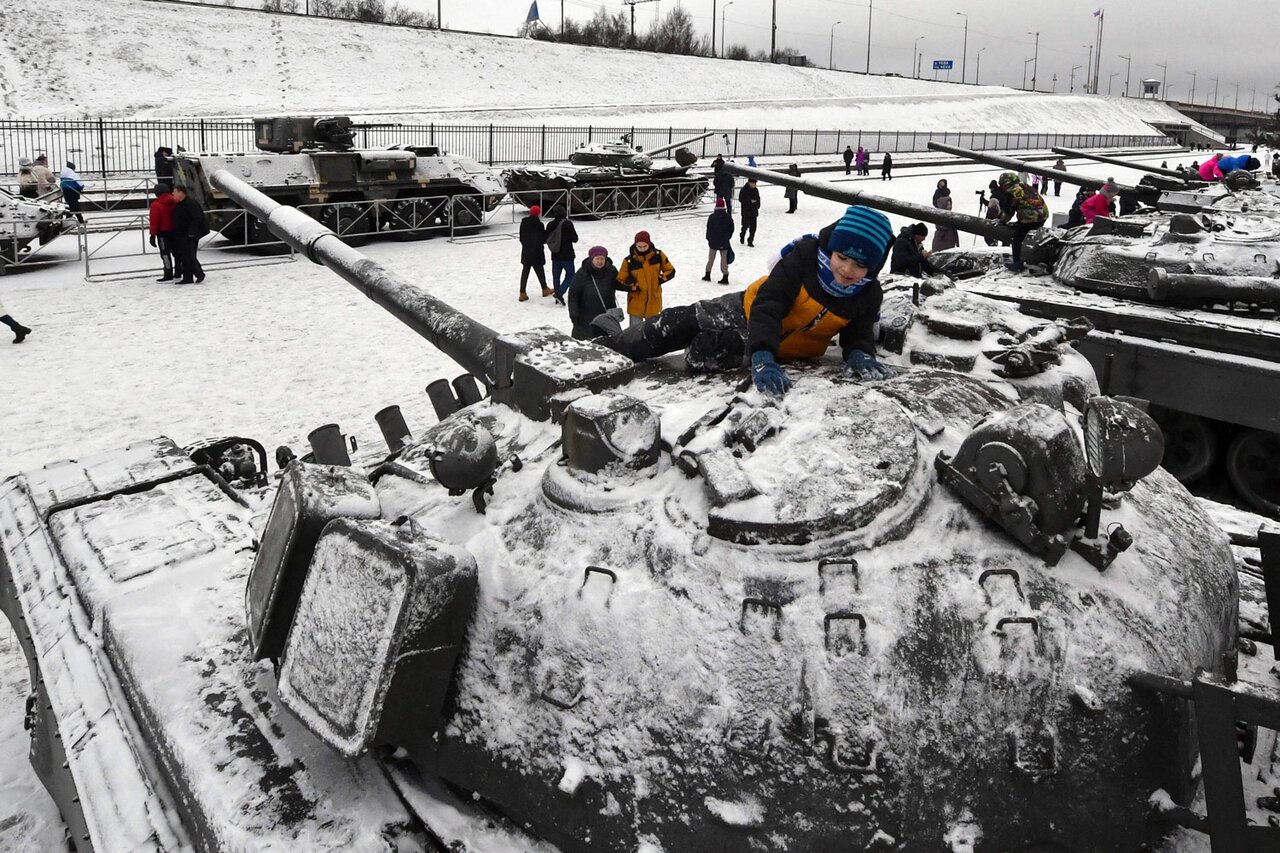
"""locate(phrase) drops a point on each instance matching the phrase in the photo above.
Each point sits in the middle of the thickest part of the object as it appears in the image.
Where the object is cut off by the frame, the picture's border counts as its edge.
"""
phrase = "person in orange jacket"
(644, 271)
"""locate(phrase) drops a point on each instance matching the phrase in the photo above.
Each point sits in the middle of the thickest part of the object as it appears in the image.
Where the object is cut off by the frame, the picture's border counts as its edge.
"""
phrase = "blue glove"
(767, 375)
(865, 367)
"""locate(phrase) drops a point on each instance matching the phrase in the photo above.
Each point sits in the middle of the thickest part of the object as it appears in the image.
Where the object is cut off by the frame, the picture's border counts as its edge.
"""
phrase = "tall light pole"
(1215, 90)
(831, 50)
(870, 5)
(723, 12)
(1035, 69)
(915, 71)
(1074, 69)
(773, 34)
(977, 72)
(1193, 85)
(964, 53)
(713, 26)
(1089, 72)
(439, 16)
(1253, 99)
(1237, 96)
(1164, 74)
(1111, 80)
(1128, 72)
(1025, 63)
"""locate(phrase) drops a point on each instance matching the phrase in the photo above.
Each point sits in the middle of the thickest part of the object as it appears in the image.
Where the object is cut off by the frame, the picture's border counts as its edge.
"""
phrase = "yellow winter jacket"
(645, 274)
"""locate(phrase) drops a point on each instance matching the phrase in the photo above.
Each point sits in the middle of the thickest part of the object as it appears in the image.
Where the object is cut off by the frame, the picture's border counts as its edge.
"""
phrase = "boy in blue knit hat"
(822, 286)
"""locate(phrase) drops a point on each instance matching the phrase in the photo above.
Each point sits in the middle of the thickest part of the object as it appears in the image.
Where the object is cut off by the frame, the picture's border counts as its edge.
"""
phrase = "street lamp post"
(977, 71)
(1074, 69)
(870, 5)
(1215, 90)
(1128, 72)
(831, 50)
(1193, 85)
(1111, 80)
(964, 53)
(1090, 71)
(915, 69)
(1164, 74)
(1253, 99)
(1025, 63)
(723, 12)
(1035, 69)
(1237, 96)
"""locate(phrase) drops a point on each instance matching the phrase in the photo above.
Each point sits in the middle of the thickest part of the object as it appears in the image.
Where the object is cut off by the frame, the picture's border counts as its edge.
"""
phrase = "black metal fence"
(101, 147)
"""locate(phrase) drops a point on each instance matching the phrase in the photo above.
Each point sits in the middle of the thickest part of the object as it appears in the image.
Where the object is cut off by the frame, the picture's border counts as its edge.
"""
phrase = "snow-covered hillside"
(140, 59)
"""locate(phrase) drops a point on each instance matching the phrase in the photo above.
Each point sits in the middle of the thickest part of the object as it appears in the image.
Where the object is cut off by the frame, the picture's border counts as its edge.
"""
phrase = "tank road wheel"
(1190, 445)
(1253, 466)
(348, 221)
(413, 218)
(467, 210)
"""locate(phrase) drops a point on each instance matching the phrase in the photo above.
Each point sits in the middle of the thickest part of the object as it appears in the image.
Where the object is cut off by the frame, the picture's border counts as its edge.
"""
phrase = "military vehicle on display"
(406, 192)
(618, 607)
(613, 179)
(24, 221)
(1184, 297)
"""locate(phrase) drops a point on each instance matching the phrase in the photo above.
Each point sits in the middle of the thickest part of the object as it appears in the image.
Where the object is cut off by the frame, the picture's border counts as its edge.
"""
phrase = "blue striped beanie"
(861, 235)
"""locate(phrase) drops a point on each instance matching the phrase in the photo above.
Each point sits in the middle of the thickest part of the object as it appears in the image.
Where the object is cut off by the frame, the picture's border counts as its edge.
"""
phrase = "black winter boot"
(724, 279)
(706, 276)
(20, 331)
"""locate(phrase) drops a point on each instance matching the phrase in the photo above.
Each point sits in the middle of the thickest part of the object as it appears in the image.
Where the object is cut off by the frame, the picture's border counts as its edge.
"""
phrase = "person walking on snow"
(561, 235)
(792, 194)
(886, 168)
(593, 292)
(1057, 184)
(823, 286)
(719, 241)
(643, 273)
(189, 227)
(533, 238)
(161, 227)
(848, 159)
(723, 184)
(749, 204)
(1029, 209)
(20, 331)
(71, 185)
(944, 237)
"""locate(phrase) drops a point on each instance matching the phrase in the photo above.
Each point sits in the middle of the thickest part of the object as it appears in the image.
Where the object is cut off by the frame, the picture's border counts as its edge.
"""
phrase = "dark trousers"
(1020, 232)
(72, 198)
(848, 169)
(793, 201)
(186, 263)
(561, 276)
(539, 270)
(1057, 187)
(720, 323)
(164, 245)
(748, 232)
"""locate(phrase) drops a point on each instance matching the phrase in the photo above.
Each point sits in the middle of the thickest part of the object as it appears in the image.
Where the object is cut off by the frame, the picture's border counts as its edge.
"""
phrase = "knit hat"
(24, 162)
(720, 203)
(597, 252)
(643, 237)
(535, 210)
(1109, 187)
(1008, 179)
(861, 235)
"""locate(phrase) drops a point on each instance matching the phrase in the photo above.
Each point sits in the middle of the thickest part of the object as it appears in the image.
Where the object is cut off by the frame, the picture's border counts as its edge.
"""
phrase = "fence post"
(490, 144)
(589, 130)
(671, 134)
(704, 143)
(735, 142)
(102, 146)
(764, 143)
(543, 158)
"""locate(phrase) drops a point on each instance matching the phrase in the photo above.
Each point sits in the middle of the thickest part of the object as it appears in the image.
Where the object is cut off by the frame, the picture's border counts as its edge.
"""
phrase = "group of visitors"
(177, 224)
(859, 161)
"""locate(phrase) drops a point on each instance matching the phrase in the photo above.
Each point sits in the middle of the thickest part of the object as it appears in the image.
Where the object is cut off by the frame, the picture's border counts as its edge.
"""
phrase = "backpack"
(554, 240)
(1029, 206)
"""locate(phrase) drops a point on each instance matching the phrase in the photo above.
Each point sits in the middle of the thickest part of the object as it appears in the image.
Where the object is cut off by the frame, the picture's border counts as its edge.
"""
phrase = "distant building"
(1151, 88)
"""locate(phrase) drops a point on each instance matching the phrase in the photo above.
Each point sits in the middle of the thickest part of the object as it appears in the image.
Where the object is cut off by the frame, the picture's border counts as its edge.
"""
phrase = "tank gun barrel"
(1116, 161)
(924, 213)
(674, 145)
(1016, 165)
(467, 341)
(1163, 285)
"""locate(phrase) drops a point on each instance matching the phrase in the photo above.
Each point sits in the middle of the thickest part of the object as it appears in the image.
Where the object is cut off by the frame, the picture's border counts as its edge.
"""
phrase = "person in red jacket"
(1098, 204)
(162, 228)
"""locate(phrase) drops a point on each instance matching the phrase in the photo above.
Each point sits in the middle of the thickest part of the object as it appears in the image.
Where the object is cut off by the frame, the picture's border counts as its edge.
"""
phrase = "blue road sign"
(943, 64)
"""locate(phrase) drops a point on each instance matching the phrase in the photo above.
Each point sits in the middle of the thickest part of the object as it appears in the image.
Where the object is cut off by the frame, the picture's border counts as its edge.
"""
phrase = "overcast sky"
(1236, 41)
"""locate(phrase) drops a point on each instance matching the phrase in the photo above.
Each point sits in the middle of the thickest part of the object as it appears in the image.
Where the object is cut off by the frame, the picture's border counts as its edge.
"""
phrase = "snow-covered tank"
(24, 221)
(630, 608)
(406, 192)
(613, 179)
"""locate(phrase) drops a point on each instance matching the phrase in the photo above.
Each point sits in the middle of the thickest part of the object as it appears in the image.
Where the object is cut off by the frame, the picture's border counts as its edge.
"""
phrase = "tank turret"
(674, 614)
(24, 221)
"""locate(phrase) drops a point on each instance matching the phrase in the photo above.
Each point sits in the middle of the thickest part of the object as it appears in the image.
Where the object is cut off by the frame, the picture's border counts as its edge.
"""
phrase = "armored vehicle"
(1183, 294)
(406, 192)
(24, 221)
(613, 179)
(630, 608)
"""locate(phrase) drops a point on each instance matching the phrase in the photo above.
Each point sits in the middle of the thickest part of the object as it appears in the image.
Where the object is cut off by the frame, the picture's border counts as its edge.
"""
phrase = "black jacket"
(723, 183)
(719, 229)
(568, 236)
(188, 220)
(848, 155)
(164, 168)
(591, 293)
(533, 238)
(797, 269)
(886, 166)
(907, 257)
(749, 200)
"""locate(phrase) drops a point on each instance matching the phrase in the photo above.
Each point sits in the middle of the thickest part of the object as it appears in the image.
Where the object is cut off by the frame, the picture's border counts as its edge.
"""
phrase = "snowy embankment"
(67, 59)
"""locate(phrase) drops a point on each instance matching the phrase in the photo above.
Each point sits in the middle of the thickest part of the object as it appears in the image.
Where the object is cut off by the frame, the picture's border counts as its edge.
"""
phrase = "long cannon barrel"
(672, 146)
(1020, 166)
(1116, 161)
(466, 341)
(831, 192)
(1163, 285)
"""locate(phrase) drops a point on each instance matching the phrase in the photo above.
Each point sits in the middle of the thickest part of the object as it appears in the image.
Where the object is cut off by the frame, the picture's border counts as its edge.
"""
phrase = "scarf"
(826, 278)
